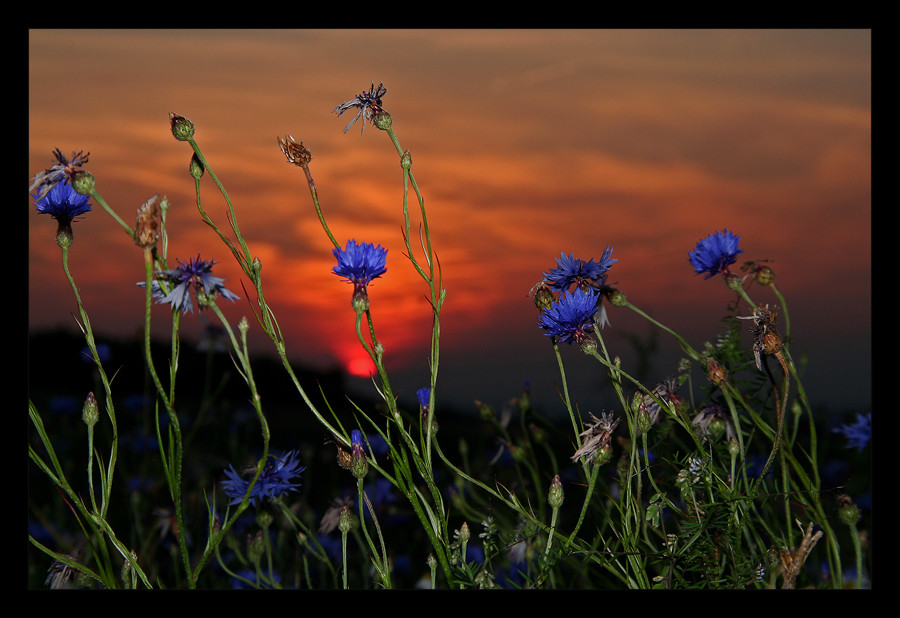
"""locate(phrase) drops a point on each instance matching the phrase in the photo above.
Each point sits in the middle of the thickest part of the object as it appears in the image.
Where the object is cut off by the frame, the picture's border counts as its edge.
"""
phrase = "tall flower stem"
(85, 326)
(171, 461)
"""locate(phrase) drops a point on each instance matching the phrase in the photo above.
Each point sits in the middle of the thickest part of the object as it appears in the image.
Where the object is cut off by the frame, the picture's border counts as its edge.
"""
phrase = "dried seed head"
(296, 154)
(146, 229)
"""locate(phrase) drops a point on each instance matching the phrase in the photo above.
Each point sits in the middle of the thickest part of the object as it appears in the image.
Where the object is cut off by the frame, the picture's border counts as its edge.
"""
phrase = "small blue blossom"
(715, 253)
(424, 396)
(359, 263)
(63, 203)
(571, 271)
(368, 103)
(276, 479)
(196, 274)
(858, 433)
(571, 316)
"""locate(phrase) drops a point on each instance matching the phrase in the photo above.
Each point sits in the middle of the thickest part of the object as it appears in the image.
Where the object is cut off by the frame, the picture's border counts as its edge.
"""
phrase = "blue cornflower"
(359, 263)
(197, 274)
(859, 433)
(715, 253)
(64, 204)
(275, 479)
(571, 270)
(571, 316)
(368, 103)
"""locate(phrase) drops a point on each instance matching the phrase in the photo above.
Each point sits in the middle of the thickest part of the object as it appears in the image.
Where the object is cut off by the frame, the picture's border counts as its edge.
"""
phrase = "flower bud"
(264, 519)
(406, 160)
(733, 281)
(734, 448)
(764, 275)
(603, 455)
(255, 547)
(848, 512)
(485, 411)
(382, 120)
(84, 183)
(90, 413)
(196, 167)
(617, 299)
(182, 128)
(543, 296)
(464, 533)
(344, 520)
(555, 495)
(359, 464)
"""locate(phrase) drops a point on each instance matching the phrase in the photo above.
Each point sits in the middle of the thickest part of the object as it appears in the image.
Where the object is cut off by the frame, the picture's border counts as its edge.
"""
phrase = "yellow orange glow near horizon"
(525, 144)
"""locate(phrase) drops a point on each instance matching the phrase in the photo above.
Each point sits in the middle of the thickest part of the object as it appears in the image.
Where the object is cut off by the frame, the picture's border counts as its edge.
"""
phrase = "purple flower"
(859, 433)
(63, 203)
(578, 272)
(715, 253)
(368, 103)
(196, 274)
(276, 479)
(359, 263)
(571, 316)
(424, 396)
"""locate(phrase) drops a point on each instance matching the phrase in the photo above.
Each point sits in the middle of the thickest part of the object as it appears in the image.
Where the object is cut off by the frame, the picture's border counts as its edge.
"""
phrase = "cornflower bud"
(264, 519)
(406, 160)
(848, 512)
(617, 299)
(182, 128)
(764, 275)
(344, 520)
(359, 464)
(485, 411)
(255, 547)
(464, 533)
(555, 495)
(196, 167)
(84, 183)
(90, 413)
(543, 296)
(733, 281)
(603, 455)
(382, 120)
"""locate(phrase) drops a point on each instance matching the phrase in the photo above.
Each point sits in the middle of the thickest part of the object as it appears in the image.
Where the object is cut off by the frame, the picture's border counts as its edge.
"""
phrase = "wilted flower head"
(196, 274)
(858, 433)
(596, 436)
(65, 205)
(715, 253)
(62, 171)
(711, 420)
(297, 154)
(276, 479)
(571, 270)
(665, 392)
(368, 103)
(571, 317)
(59, 573)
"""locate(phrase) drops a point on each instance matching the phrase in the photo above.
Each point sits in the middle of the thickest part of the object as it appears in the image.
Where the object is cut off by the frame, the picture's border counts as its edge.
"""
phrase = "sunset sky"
(525, 143)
